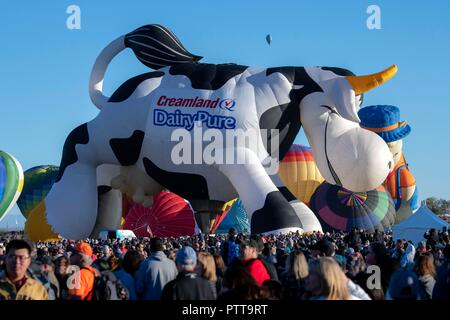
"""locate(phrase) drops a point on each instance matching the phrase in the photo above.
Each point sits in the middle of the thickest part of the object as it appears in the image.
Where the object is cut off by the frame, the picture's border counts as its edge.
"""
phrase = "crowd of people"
(316, 266)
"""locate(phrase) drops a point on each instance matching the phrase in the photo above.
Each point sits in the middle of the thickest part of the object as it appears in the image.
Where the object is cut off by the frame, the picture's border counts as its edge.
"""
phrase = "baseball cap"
(83, 248)
(186, 256)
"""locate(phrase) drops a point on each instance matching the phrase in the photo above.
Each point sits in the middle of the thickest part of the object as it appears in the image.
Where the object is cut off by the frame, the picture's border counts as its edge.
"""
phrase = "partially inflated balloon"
(299, 172)
(236, 218)
(11, 182)
(170, 216)
(340, 209)
(37, 183)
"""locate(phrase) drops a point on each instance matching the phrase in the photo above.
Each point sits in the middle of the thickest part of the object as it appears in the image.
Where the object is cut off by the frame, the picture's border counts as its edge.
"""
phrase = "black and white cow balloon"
(136, 126)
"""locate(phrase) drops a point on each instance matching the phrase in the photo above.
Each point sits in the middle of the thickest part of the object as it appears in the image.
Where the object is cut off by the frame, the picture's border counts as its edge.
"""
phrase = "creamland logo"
(197, 102)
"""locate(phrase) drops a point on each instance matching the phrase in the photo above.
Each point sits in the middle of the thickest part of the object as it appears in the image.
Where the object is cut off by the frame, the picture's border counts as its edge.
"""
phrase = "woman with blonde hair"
(327, 281)
(293, 279)
(207, 269)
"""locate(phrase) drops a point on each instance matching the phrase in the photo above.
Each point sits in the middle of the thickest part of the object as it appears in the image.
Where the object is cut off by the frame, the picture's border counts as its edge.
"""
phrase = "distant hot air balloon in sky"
(170, 216)
(37, 183)
(11, 182)
(269, 39)
(299, 172)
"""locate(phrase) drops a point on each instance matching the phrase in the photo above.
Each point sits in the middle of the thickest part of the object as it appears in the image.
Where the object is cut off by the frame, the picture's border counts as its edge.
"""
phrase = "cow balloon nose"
(360, 159)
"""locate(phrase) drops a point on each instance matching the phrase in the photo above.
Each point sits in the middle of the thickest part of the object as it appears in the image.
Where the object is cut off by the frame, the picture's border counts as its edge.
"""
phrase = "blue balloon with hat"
(385, 121)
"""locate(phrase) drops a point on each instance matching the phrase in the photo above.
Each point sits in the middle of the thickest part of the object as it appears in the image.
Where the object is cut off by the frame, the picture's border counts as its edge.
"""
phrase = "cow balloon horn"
(361, 84)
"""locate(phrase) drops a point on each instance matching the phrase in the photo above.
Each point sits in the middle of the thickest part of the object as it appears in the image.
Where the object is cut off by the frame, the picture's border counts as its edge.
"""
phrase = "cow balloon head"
(346, 154)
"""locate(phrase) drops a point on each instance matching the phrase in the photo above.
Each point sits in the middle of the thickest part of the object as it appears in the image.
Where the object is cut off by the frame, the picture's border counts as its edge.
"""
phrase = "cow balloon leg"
(307, 218)
(268, 211)
(71, 205)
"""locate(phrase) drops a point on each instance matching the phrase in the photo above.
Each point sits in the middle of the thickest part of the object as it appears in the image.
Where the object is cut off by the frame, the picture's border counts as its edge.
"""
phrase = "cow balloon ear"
(345, 99)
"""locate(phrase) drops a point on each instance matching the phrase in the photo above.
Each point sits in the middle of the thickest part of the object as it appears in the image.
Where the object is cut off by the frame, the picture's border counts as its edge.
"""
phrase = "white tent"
(415, 226)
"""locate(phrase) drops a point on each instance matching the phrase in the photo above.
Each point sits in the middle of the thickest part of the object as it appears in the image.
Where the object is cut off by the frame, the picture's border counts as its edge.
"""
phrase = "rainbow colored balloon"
(11, 182)
(299, 172)
(341, 209)
(38, 182)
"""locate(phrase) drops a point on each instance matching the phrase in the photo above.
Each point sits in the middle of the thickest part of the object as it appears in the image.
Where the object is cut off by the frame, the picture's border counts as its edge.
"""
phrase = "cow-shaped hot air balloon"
(148, 117)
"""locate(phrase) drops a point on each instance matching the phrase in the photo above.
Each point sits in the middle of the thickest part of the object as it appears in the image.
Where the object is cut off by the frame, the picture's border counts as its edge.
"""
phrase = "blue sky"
(45, 66)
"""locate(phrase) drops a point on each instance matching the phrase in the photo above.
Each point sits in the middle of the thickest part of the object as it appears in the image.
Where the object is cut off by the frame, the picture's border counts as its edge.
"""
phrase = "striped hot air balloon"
(11, 182)
(299, 172)
(38, 182)
(236, 218)
(170, 216)
(341, 209)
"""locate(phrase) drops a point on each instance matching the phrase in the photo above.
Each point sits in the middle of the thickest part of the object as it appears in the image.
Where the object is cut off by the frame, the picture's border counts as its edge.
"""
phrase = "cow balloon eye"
(332, 109)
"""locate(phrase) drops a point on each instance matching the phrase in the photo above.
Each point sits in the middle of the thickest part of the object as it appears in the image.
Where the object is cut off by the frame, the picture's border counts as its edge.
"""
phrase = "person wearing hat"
(248, 251)
(404, 285)
(82, 287)
(188, 285)
(384, 120)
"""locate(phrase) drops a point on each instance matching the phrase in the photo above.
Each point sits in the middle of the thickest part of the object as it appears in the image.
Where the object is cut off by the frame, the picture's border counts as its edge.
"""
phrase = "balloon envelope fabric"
(11, 182)
(38, 182)
(299, 172)
(341, 209)
(236, 218)
(170, 216)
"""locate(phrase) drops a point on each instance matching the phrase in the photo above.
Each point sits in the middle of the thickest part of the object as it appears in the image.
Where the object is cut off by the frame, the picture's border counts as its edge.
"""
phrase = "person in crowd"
(378, 257)
(141, 249)
(84, 279)
(220, 272)
(239, 284)
(407, 260)
(42, 269)
(322, 248)
(441, 290)
(188, 285)
(154, 272)
(404, 285)
(326, 281)
(294, 277)
(230, 249)
(432, 238)
(61, 264)
(248, 253)
(206, 268)
(14, 282)
(117, 267)
(272, 290)
(425, 270)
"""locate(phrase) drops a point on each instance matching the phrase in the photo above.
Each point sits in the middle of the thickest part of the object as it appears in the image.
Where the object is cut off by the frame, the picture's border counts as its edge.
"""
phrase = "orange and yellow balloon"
(299, 172)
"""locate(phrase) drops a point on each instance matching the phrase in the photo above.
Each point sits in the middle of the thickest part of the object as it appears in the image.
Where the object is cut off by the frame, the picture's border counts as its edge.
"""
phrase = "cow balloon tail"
(157, 47)
(154, 45)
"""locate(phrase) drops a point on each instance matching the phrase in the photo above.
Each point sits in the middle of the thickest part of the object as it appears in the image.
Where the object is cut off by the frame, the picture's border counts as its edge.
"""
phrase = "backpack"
(108, 287)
